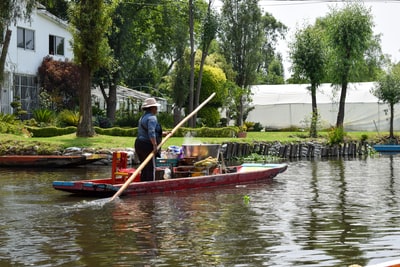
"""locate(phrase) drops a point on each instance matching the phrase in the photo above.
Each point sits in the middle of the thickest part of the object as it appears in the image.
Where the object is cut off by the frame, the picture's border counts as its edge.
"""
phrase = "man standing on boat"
(149, 136)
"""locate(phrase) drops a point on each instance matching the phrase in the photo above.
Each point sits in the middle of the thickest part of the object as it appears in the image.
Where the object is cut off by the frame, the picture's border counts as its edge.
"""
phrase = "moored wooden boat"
(245, 173)
(392, 263)
(48, 161)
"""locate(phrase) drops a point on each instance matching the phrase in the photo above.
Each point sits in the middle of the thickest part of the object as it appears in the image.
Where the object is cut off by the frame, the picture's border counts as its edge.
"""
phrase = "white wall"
(23, 61)
(284, 106)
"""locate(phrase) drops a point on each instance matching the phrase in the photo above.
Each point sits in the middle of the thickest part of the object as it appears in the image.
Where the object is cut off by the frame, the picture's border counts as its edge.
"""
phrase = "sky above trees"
(295, 13)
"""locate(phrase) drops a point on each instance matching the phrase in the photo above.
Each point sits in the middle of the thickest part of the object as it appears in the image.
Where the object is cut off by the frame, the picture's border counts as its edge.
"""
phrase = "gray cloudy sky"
(295, 14)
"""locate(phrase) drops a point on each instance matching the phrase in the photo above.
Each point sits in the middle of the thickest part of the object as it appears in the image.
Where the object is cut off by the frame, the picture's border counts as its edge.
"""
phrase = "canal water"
(317, 213)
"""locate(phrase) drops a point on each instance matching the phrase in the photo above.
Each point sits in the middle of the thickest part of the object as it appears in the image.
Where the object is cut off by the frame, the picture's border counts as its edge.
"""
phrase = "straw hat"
(150, 102)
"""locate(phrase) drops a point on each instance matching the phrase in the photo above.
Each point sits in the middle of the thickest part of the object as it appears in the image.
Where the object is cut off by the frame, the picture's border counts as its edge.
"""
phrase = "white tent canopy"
(289, 105)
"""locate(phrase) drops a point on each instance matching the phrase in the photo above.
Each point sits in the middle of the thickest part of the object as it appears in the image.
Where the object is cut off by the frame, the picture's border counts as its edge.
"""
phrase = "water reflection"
(318, 213)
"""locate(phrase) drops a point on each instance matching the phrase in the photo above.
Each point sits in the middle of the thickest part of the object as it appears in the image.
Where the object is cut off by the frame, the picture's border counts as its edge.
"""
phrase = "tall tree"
(308, 56)
(90, 20)
(209, 31)
(180, 85)
(349, 35)
(387, 89)
(242, 39)
(192, 57)
(10, 12)
(58, 8)
(271, 71)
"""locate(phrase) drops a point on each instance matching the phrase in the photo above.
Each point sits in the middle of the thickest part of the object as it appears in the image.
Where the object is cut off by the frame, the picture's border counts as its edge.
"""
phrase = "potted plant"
(242, 131)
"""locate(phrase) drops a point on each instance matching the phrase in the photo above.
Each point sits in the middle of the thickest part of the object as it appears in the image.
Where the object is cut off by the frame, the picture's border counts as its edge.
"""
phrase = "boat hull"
(48, 161)
(104, 187)
(387, 148)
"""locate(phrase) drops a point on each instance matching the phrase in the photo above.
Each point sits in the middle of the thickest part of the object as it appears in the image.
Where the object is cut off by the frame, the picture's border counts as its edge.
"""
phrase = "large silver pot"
(201, 151)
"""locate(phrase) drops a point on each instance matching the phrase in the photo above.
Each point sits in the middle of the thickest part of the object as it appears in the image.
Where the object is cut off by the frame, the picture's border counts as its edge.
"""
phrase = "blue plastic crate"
(166, 162)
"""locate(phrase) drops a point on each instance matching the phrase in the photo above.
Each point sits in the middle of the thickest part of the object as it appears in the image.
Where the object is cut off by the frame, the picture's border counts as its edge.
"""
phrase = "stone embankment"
(231, 150)
(237, 150)
(296, 150)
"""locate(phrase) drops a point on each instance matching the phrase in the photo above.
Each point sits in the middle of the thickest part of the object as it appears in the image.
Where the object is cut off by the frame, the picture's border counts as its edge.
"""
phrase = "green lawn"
(103, 141)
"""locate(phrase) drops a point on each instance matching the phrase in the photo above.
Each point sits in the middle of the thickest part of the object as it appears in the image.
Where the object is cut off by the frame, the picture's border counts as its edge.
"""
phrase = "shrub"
(8, 118)
(257, 127)
(68, 118)
(127, 119)
(60, 82)
(209, 116)
(51, 131)
(336, 136)
(364, 137)
(166, 119)
(116, 131)
(45, 116)
(102, 122)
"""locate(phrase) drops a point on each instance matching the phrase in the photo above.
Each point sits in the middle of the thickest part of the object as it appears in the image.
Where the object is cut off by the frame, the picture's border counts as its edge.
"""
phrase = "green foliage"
(349, 35)
(10, 124)
(308, 55)
(127, 118)
(209, 116)
(68, 118)
(249, 125)
(43, 116)
(213, 80)
(364, 137)
(349, 32)
(17, 107)
(257, 127)
(11, 128)
(227, 132)
(388, 90)
(102, 122)
(165, 119)
(336, 136)
(117, 131)
(242, 37)
(8, 118)
(275, 74)
(51, 131)
(91, 21)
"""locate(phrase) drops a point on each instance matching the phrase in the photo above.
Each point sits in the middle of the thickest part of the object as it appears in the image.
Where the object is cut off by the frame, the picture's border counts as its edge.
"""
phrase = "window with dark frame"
(27, 92)
(56, 45)
(25, 38)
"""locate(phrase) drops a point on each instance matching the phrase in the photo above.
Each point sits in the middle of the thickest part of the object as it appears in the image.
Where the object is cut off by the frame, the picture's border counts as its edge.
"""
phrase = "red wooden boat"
(48, 161)
(245, 173)
(392, 263)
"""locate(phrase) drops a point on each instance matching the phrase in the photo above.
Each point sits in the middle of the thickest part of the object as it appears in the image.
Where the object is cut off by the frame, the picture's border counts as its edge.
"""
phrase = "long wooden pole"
(151, 155)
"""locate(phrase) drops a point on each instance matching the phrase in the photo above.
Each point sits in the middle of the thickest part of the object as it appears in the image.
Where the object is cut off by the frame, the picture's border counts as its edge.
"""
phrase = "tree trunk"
(199, 79)
(112, 102)
(85, 125)
(4, 52)
(314, 117)
(391, 134)
(239, 118)
(342, 103)
(192, 123)
(177, 115)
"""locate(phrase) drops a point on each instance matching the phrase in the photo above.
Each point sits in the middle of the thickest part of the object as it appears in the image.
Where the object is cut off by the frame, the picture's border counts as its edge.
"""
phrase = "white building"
(289, 105)
(31, 41)
(125, 96)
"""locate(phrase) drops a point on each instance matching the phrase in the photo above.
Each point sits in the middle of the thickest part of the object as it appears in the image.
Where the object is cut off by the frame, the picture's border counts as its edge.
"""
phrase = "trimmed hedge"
(50, 131)
(117, 131)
